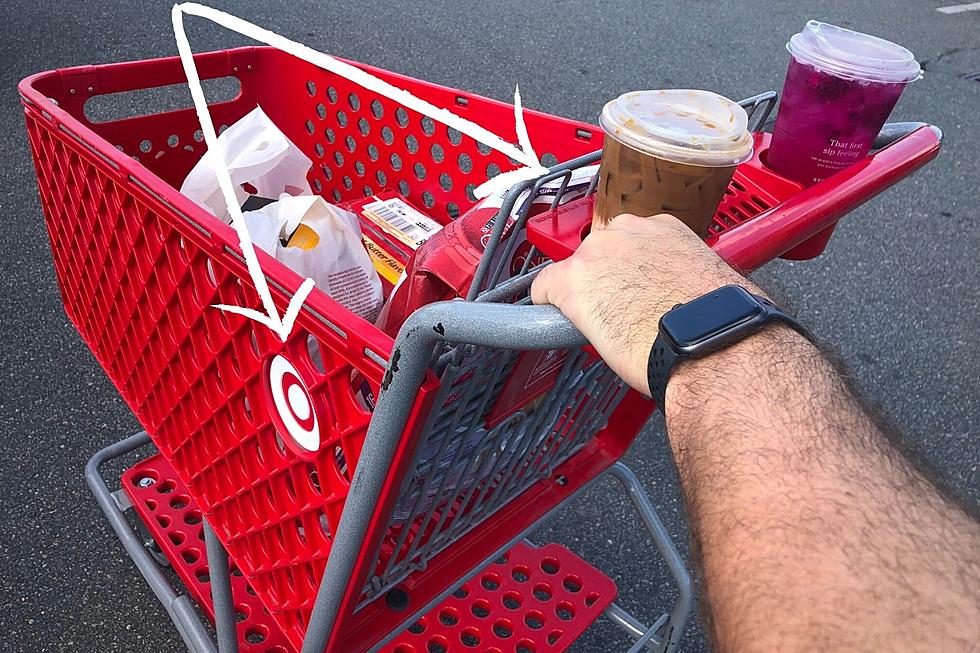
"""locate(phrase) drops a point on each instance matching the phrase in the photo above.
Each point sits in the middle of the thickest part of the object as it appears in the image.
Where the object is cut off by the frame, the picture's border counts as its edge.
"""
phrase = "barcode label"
(402, 221)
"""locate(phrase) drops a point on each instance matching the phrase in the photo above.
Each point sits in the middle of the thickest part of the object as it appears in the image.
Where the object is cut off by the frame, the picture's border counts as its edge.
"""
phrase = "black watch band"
(659, 365)
(726, 330)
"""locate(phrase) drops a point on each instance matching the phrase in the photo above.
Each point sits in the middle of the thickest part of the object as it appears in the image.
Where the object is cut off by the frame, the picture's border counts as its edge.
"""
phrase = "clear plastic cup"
(840, 88)
(669, 151)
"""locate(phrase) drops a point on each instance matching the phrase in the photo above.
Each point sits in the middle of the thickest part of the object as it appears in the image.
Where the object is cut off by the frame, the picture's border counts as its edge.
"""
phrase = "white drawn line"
(368, 81)
(283, 325)
(958, 9)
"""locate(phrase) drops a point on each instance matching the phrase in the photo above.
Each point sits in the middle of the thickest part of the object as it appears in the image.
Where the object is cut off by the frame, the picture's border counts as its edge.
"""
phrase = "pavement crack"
(925, 63)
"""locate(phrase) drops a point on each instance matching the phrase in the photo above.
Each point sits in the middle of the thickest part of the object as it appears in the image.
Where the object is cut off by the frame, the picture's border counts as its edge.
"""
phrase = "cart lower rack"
(528, 599)
(405, 529)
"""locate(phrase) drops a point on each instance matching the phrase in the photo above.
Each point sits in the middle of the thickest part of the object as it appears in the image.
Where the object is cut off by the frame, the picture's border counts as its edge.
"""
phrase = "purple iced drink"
(840, 88)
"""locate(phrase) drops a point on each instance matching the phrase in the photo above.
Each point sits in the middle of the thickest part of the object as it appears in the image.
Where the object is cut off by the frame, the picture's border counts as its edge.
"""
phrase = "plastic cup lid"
(851, 54)
(685, 126)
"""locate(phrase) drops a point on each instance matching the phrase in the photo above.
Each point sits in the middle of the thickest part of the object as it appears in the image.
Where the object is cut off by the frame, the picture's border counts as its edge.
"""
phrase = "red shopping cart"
(405, 528)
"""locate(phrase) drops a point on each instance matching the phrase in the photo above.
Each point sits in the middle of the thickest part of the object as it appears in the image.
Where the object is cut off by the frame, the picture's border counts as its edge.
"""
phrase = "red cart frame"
(317, 535)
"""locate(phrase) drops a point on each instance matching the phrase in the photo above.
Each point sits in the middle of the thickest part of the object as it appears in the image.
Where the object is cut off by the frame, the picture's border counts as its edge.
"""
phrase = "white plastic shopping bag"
(257, 153)
(337, 263)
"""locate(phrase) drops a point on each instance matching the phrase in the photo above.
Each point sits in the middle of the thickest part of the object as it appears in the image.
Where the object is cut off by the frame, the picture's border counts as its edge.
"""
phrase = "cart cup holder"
(754, 190)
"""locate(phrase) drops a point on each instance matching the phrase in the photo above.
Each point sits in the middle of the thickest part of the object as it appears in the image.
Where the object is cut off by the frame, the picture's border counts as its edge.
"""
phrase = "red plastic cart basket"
(139, 267)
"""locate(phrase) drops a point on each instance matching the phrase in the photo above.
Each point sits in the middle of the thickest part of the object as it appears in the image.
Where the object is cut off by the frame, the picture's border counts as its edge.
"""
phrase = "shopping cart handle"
(906, 148)
(488, 324)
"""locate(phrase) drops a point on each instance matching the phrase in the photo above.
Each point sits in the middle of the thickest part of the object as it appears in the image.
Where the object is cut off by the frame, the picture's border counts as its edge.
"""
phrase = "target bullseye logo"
(293, 409)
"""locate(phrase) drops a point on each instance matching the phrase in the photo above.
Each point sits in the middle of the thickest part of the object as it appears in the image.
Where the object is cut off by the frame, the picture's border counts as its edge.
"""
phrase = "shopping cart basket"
(405, 528)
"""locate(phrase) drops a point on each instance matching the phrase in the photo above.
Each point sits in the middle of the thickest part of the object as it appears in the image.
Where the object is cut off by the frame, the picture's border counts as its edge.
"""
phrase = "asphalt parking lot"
(897, 293)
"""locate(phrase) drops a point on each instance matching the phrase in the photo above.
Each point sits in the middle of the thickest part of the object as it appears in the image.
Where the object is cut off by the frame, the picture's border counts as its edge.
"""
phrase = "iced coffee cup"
(839, 90)
(671, 151)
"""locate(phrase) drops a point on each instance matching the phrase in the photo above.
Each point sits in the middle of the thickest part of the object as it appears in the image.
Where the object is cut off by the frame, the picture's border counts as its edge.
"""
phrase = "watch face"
(710, 315)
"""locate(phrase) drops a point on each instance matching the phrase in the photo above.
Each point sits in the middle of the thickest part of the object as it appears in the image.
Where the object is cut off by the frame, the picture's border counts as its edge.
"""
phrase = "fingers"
(616, 222)
(654, 223)
(625, 220)
(603, 250)
(544, 285)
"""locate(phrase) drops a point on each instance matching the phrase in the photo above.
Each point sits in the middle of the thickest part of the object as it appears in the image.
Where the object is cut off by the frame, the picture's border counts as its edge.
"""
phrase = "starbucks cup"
(670, 151)
(839, 90)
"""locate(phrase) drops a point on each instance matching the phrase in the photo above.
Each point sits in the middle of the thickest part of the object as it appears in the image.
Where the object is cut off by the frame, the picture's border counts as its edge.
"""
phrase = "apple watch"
(705, 325)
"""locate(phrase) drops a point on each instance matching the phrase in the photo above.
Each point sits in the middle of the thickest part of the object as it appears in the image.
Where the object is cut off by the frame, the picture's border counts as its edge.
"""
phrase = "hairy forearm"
(805, 515)
(814, 532)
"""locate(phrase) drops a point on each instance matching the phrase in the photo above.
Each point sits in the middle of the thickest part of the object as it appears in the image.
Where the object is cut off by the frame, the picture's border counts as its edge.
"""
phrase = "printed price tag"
(402, 221)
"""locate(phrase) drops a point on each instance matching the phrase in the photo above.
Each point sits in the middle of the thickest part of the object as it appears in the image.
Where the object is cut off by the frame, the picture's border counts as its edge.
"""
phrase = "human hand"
(622, 279)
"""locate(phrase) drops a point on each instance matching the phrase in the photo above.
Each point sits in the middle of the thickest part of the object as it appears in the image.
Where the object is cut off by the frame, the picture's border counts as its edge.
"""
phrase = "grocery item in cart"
(443, 267)
(669, 151)
(322, 242)
(840, 88)
(395, 216)
(392, 230)
(313, 238)
(261, 160)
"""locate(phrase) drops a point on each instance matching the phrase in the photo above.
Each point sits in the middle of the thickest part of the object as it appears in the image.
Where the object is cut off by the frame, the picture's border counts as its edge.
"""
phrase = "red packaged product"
(442, 268)
(391, 230)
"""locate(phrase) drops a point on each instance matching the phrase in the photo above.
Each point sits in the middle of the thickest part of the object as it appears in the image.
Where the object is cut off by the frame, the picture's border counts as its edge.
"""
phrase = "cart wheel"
(151, 544)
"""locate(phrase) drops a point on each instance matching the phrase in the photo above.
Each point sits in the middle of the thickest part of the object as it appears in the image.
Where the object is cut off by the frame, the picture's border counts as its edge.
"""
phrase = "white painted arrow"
(282, 326)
